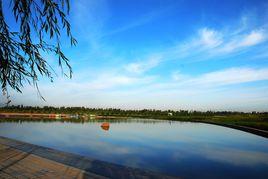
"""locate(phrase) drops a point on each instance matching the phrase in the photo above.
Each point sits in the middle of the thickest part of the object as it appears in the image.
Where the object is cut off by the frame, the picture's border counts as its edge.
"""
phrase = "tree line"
(124, 112)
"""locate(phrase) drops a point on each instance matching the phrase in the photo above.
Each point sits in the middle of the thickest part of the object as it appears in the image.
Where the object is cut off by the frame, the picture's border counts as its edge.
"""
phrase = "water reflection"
(177, 148)
(82, 121)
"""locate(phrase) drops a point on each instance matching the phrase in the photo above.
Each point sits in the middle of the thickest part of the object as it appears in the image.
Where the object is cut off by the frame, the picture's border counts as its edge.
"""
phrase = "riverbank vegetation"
(253, 119)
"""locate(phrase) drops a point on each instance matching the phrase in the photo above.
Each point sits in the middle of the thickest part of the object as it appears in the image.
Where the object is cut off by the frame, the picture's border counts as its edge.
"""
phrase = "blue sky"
(163, 54)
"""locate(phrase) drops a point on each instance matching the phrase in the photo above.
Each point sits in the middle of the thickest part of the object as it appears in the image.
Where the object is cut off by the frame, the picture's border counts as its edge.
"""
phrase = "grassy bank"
(252, 120)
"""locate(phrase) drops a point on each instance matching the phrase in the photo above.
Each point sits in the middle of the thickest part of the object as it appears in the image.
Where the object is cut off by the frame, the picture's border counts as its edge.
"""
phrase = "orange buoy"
(105, 126)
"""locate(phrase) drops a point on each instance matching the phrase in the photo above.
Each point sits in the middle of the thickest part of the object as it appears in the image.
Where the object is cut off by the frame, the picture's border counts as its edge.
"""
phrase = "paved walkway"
(18, 164)
(23, 160)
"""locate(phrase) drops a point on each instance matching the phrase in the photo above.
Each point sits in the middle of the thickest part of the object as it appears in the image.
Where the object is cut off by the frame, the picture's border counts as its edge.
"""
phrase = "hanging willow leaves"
(21, 51)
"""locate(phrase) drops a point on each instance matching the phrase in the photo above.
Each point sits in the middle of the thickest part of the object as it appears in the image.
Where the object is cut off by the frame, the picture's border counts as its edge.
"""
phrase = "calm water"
(178, 148)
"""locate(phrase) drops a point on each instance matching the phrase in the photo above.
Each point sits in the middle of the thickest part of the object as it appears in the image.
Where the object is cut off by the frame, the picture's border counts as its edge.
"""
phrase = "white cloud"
(207, 44)
(129, 86)
(139, 21)
(209, 37)
(203, 92)
(186, 83)
(89, 19)
(230, 76)
(107, 81)
(253, 38)
(143, 66)
(206, 39)
(178, 76)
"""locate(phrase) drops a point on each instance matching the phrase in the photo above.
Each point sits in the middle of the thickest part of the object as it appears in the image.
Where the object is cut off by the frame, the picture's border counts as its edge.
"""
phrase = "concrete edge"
(87, 164)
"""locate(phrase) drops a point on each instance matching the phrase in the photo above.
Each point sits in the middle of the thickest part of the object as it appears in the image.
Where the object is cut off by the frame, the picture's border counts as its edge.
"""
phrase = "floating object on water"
(105, 126)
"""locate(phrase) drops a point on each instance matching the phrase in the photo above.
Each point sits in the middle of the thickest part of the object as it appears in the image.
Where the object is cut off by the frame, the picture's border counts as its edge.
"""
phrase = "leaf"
(21, 56)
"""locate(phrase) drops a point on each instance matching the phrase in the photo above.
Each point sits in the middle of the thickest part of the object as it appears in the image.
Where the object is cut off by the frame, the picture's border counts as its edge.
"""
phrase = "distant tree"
(39, 26)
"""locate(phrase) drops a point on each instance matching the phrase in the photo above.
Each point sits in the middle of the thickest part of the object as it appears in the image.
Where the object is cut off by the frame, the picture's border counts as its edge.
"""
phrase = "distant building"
(92, 116)
(74, 116)
(58, 116)
(170, 114)
(85, 117)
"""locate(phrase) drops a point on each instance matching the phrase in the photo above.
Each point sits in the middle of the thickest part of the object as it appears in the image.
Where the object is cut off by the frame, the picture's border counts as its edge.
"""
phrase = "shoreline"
(67, 117)
(251, 130)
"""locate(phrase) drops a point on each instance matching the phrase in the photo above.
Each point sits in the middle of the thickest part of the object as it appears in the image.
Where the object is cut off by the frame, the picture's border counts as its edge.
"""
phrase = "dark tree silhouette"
(40, 24)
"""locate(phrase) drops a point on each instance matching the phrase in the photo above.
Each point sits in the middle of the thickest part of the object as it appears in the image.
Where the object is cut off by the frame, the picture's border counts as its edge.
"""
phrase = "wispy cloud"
(178, 76)
(143, 66)
(230, 76)
(206, 44)
(163, 74)
(88, 22)
(139, 21)
(211, 43)
(212, 80)
(253, 38)
(136, 23)
(108, 81)
(209, 38)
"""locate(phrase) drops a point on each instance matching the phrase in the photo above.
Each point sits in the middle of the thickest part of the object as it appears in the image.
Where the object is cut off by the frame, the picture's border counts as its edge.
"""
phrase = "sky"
(162, 54)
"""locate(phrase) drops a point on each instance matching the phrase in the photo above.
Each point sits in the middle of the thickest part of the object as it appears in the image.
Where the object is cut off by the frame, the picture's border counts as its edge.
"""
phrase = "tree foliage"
(40, 24)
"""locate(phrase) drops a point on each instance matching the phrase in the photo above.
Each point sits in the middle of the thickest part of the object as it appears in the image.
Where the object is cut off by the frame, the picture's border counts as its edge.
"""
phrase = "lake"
(182, 149)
